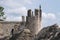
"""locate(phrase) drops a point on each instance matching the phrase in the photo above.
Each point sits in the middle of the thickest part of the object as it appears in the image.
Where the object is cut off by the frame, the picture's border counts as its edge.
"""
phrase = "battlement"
(37, 12)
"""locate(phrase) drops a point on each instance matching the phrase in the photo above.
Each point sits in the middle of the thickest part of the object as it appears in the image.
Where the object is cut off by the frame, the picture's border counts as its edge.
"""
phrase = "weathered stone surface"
(24, 34)
(49, 33)
(5, 29)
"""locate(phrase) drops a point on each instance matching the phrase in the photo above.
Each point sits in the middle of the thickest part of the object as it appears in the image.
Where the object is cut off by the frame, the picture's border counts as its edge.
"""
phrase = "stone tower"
(33, 22)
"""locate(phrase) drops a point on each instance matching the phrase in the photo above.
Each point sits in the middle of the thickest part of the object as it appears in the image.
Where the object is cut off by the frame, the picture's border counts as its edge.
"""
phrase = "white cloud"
(48, 19)
(11, 5)
(49, 15)
(28, 1)
(21, 10)
(12, 18)
(15, 3)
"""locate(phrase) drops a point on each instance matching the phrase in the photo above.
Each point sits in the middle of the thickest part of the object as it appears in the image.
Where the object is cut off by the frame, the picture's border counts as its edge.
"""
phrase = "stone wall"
(30, 24)
(6, 27)
(34, 24)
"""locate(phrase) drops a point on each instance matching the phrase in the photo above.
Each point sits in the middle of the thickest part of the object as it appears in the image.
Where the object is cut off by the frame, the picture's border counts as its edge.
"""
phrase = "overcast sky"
(14, 9)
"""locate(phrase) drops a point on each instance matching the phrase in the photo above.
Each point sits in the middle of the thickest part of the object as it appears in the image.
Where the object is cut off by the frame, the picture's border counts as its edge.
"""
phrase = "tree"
(2, 14)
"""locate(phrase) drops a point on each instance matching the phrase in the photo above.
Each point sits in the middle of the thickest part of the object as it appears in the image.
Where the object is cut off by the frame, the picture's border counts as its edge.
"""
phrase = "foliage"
(2, 14)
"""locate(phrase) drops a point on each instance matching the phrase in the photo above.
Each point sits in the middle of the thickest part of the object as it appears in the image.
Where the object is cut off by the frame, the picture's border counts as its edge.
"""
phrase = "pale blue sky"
(14, 9)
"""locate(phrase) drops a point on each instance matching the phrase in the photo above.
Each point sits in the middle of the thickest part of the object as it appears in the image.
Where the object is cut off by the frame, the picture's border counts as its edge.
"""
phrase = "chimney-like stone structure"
(29, 13)
(23, 19)
(36, 12)
(40, 11)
